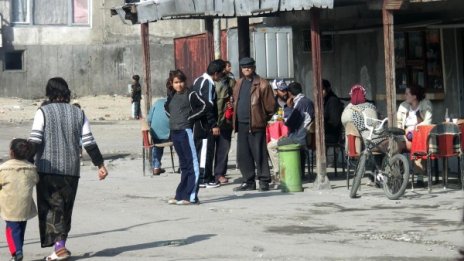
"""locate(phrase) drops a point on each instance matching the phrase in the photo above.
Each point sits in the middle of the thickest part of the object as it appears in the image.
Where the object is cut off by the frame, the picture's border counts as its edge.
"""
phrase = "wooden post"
(217, 38)
(146, 89)
(389, 47)
(322, 181)
(209, 28)
(243, 27)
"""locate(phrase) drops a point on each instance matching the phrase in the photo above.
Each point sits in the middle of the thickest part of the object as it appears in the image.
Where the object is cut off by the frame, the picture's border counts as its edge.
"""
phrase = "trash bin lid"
(289, 147)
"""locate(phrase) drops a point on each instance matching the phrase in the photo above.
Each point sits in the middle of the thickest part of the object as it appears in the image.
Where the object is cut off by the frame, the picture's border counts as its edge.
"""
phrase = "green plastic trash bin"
(290, 168)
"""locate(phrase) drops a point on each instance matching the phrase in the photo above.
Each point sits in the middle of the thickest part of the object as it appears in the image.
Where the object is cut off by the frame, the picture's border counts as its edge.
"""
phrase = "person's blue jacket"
(158, 120)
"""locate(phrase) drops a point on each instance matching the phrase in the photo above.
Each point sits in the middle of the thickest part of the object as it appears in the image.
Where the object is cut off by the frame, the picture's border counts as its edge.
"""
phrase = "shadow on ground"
(115, 251)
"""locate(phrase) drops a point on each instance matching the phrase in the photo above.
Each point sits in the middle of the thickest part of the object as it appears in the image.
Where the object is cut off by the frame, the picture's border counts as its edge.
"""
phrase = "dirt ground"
(98, 108)
(126, 217)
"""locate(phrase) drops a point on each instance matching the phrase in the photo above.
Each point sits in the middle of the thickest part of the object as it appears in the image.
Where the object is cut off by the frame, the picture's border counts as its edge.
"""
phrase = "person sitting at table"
(358, 107)
(415, 110)
(333, 109)
(280, 89)
(159, 130)
(301, 115)
(354, 113)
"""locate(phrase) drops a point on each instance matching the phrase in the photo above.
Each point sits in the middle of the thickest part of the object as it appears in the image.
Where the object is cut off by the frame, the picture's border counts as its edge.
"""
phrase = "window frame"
(70, 15)
(23, 64)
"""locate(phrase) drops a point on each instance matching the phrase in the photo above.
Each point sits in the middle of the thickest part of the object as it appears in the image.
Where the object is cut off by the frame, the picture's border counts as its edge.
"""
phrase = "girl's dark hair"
(22, 149)
(136, 78)
(175, 74)
(57, 90)
(418, 91)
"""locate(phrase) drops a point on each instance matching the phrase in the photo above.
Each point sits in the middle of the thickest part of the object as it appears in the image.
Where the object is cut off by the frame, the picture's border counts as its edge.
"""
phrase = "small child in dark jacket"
(136, 96)
(184, 107)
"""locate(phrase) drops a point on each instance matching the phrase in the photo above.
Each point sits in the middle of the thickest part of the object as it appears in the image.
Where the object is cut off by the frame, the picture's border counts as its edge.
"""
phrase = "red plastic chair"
(353, 152)
(419, 148)
(146, 147)
(444, 142)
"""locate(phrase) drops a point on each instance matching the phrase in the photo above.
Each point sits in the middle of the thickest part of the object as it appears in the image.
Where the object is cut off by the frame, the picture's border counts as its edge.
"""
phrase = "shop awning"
(154, 10)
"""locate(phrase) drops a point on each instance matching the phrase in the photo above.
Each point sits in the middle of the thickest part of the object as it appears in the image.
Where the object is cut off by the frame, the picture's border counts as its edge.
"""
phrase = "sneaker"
(202, 185)
(172, 201)
(245, 187)
(213, 184)
(17, 257)
(263, 186)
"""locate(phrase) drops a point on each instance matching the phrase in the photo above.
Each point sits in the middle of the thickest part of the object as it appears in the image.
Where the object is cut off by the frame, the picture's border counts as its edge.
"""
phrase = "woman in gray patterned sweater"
(57, 131)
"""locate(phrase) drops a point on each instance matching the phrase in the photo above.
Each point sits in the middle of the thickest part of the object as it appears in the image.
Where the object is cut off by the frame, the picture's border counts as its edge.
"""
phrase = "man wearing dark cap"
(254, 106)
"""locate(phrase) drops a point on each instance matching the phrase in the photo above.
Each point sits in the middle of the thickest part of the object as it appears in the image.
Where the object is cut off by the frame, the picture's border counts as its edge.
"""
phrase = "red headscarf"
(358, 94)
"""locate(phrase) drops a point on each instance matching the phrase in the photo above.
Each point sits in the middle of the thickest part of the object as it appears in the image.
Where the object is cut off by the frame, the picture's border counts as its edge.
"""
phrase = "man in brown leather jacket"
(254, 106)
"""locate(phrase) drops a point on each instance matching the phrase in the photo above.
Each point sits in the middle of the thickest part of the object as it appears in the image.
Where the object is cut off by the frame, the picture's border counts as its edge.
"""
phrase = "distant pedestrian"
(136, 96)
(228, 71)
(253, 107)
(56, 132)
(159, 130)
(184, 106)
(17, 180)
(205, 87)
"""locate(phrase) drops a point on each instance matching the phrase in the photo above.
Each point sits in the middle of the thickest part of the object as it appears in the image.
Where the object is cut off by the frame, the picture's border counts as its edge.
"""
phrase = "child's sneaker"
(18, 257)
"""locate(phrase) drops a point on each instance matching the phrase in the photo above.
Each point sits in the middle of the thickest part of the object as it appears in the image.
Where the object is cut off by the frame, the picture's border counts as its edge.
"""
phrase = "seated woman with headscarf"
(354, 113)
(415, 110)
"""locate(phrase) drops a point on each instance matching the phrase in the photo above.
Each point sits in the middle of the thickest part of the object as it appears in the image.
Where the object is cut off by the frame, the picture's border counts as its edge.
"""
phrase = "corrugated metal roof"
(154, 10)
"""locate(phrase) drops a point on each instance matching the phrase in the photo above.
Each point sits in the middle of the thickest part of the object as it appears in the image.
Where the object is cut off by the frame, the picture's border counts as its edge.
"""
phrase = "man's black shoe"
(245, 187)
(263, 186)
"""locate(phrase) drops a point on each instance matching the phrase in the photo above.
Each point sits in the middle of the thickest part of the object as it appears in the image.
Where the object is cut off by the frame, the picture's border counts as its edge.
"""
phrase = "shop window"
(14, 60)
(418, 60)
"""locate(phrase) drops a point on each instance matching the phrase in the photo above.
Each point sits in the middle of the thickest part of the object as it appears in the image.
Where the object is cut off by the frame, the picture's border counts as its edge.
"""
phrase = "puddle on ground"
(294, 230)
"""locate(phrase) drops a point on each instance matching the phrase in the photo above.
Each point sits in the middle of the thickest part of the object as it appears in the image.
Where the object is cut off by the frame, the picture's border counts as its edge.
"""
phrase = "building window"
(418, 60)
(20, 11)
(80, 12)
(14, 61)
(51, 12)
(326, 42)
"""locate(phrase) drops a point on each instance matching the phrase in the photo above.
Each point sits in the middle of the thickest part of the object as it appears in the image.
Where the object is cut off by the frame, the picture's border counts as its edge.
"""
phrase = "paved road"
(126, 216)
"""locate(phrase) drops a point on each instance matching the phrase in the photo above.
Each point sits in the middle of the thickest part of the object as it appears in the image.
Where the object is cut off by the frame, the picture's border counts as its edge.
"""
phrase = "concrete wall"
(95, 59)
